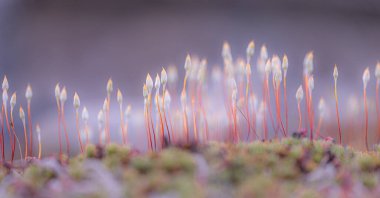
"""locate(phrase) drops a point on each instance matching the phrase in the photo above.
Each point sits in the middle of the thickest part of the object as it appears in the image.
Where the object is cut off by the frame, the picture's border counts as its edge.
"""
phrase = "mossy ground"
(287, 168)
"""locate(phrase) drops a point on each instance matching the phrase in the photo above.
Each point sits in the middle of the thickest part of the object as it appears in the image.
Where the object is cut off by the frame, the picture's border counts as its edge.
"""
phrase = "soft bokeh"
(82, 43)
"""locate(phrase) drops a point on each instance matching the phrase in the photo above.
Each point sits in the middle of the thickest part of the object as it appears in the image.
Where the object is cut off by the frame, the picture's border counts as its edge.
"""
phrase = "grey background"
(82, 43)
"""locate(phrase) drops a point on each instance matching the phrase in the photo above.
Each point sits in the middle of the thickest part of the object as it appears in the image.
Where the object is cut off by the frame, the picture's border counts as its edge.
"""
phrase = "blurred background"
(83, 43)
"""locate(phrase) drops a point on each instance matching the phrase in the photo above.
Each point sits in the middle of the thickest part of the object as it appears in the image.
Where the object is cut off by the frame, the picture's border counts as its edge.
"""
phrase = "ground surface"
(290, 168)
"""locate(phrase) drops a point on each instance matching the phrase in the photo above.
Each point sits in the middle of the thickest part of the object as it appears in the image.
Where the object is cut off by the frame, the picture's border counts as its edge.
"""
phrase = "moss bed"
(287, 168)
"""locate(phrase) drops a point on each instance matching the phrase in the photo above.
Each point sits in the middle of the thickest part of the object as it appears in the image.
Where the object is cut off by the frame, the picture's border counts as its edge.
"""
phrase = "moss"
(91, 151)
(338, 151)
(368, 162)
(262, 186)
(296, 152)
(369, 180)
(142, 163)
(76, 171)
(37, 176)
(286, 169)
(112, 149)
(173, 159)
(309, 193)
(3, 173)
(318, 152)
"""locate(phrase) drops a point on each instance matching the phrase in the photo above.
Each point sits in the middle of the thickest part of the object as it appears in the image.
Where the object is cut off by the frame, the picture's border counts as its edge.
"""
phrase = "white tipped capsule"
(268, 67)
(63, 96)
(22, 114)
(263, 53)
(276, 68)
(276, 62)
(167, 99)
(366, 77)
(85, 115)
(149, 83)
(308, 63)
(119, 96)
(335, 73)
(101, 117)
(5, 84)
(157, 82)
(13, 100)
(164, 77)
(145, 91)
(311, 83)
(377, 71)
(128, 111)
(5, 97)
(250, 49)
(187, 63)
(285, 64)
(57, 91)
(277, 75)
(76, 101)
(28, 93)
(109, 86)
(226, 52)
(299, 93)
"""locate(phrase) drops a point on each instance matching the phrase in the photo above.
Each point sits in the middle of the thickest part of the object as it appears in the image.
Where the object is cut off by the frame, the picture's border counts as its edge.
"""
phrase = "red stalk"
(30, 129)
(65, 129)
(366, 119)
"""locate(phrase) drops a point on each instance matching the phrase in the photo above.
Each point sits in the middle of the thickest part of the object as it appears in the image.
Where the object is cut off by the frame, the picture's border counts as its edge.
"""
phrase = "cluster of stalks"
(188, 119)
(8, 124)
(243, 120)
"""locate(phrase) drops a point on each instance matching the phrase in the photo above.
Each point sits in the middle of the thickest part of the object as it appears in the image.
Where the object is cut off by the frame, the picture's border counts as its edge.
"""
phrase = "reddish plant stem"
(65, 129)
(378, 109)
(194, 119)
(245, 117)
(227, 108)
(299, 116)
(307, 98)
(163, 109)
(200, 99)
(264, 114)
(151, 121)
(78, 130)
(366, 119)
(2, 136)
(185, 129)
(278, 111)
(108, 133)
(286, 106)
(337, 112)
(122, 124)
(162, 129)
(26, 140)
(59, 129)
(30, 130)
(247, 106)
(12, 138)
(236, 134)
(148, 135)
(269, 106)
(15, 135)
